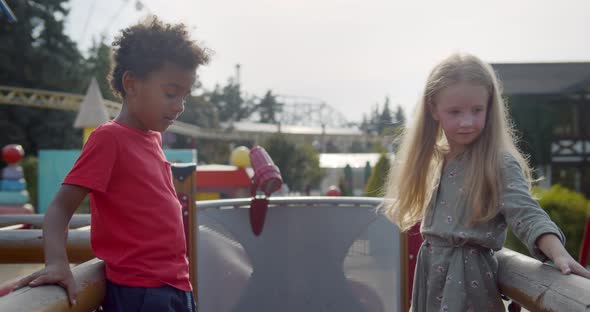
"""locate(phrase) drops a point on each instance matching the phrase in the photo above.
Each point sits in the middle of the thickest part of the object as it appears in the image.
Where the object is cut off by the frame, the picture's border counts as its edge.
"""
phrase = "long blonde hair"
(416, 169)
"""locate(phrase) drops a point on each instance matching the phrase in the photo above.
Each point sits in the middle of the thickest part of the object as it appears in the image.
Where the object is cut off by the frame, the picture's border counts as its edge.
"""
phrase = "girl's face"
(461, 111)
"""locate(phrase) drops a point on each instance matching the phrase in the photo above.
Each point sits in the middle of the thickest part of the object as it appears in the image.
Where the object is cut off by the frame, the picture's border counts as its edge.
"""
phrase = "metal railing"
(536, 286)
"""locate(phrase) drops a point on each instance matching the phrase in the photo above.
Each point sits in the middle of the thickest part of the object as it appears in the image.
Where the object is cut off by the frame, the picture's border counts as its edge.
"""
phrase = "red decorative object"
(333, 191)
(12, 153)
(267, 178)
(414, 243)
(585, 248)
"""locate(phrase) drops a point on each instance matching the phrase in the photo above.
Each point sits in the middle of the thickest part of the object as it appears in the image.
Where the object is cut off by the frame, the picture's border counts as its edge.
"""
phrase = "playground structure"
(14, 197)
(226, 181)
(283, 254)
(91, 114)
(333, 253)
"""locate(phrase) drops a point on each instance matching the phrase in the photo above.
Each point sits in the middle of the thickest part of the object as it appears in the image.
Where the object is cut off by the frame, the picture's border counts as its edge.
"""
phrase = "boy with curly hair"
(136, 225)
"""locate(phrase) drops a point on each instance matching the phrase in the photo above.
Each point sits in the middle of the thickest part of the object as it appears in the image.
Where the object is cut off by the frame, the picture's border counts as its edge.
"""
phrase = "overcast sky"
(351, 53)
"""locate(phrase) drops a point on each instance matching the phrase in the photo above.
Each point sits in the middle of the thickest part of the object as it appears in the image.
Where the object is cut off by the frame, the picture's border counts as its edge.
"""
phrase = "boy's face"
(159, 98)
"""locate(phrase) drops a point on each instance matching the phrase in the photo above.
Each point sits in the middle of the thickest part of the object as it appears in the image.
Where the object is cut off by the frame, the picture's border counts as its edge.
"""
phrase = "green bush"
(376, 185)
(30, 170)
(567, 209)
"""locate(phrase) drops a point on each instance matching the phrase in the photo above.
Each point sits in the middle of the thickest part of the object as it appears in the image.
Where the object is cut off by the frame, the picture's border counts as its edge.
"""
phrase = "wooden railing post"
(185, 185)
(26, 246)
(36, 220)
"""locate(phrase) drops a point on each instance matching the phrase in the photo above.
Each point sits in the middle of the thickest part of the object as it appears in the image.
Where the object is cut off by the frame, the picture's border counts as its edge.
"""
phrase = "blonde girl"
(458, 171)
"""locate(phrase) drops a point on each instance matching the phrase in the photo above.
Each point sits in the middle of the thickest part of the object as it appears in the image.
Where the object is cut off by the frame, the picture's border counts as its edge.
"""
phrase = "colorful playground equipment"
(14, 197)
(314, 254)
(93, 112)
(222, 182)
(236, 180)
(226, 181)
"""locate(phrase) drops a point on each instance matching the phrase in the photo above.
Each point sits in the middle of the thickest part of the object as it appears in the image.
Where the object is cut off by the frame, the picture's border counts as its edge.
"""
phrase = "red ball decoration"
(333, 191)
(12, 153)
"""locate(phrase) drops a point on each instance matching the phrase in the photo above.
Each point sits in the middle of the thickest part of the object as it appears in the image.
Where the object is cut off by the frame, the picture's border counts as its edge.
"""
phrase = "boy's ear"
(129, 82)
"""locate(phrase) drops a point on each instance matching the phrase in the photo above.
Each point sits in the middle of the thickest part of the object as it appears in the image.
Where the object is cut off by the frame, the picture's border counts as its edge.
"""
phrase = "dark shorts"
(140, 299)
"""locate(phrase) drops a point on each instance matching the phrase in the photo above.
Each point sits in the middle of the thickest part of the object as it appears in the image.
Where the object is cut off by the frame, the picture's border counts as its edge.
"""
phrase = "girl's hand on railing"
(566, 264)
(553, 248)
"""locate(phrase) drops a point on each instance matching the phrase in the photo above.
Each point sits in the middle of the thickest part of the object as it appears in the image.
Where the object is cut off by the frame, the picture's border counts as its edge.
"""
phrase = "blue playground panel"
(14, 198)
(13, 185)
(54, 165)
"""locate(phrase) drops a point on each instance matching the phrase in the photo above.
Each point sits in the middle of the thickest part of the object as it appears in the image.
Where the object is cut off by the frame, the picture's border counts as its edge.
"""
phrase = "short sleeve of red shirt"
(93, 168)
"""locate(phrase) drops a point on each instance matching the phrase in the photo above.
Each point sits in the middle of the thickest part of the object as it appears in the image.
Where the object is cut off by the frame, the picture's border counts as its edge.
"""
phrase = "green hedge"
(567, 209)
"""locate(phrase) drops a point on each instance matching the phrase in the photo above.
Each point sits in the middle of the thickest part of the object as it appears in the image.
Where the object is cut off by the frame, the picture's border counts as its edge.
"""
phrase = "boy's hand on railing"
(52, 274)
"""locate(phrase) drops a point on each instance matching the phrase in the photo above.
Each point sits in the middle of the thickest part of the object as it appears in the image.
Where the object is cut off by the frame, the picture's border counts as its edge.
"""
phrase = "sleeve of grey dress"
(523, 214)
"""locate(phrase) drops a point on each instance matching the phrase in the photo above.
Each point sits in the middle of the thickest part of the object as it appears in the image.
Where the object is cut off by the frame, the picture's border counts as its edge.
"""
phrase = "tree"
(347, 179)
(230, 104)
(375, 186)
(373, 125)
(367, 172)
(268, 107)
(199, 111)
(343, 186)
(36, 53)
(299, 165)
(307, 166)
(364, 124)
(385, 119)
(375, 114)
(98, 65)
(400, 117)
(397, 128)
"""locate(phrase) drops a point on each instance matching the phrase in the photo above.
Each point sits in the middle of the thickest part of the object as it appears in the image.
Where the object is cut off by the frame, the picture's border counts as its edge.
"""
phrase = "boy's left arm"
(553, 248)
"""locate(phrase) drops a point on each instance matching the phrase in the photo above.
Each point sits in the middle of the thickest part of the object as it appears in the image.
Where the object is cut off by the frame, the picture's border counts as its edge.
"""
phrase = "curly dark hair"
(145, 47)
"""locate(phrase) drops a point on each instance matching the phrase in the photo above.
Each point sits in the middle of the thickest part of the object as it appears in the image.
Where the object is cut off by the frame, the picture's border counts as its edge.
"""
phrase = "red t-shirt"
(136, 224)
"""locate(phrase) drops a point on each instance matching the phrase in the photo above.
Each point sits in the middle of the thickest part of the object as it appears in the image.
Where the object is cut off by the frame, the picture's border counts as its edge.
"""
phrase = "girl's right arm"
(55, 230)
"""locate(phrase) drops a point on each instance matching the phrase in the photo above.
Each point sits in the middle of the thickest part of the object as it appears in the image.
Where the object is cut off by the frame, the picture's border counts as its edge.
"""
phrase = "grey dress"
(456, 268)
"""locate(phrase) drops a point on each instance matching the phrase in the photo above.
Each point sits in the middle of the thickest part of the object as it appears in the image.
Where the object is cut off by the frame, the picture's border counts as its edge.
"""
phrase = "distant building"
(550, 105)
